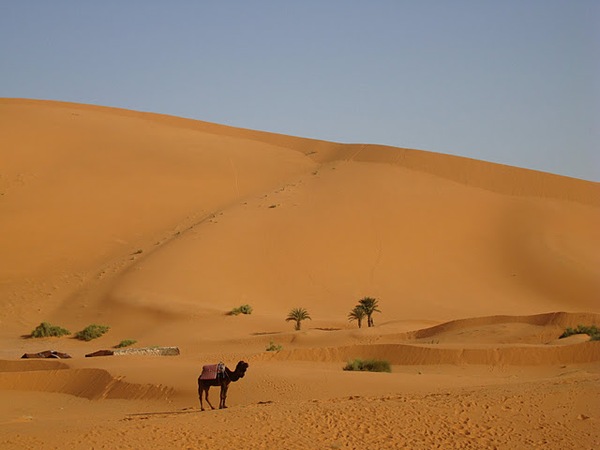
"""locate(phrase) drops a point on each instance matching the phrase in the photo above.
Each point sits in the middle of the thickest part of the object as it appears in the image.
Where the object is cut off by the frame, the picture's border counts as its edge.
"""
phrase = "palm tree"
(370, 305)
(298, 315)
(358, 314)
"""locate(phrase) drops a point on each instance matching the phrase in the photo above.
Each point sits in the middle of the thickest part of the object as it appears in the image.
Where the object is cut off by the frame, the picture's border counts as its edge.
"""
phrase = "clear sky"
(509, 81)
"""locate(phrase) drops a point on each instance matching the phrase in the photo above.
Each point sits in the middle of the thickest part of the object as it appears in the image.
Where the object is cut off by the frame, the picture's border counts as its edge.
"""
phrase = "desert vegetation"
(369, 365)
(298, 315)
(365, 308)
(45, 329)
(92, 332)
(358, 313)
(370, 305)
(243, 309)
(125, 343)
(592, 331)
(272, 347)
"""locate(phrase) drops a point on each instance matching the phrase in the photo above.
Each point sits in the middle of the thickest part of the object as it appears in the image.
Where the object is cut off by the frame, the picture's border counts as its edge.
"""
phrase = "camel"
(223, 380)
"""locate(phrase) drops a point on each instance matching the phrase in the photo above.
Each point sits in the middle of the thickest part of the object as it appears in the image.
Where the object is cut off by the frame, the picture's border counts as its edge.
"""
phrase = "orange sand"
(158, 226)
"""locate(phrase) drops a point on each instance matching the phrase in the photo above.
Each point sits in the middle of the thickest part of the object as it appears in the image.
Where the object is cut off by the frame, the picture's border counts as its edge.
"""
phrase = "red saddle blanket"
(212, 371)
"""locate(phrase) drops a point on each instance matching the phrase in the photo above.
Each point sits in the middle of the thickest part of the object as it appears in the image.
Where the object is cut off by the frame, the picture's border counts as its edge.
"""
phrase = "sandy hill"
(158, 226)
(107, 210)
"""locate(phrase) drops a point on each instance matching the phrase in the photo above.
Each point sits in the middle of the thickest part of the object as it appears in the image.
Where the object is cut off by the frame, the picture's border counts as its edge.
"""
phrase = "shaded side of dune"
(93, 384)
(402, 354)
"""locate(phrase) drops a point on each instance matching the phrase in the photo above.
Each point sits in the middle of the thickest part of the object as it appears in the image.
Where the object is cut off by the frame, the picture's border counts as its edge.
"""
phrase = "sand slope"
(182, 215)
(158, 226)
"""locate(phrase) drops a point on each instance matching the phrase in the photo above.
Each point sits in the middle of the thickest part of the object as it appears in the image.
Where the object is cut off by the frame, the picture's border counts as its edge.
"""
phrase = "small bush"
(369, 365)
(125, 343)
(244, 309)
(44, 329)
(274, 347)
(92, 332)
(592, 331)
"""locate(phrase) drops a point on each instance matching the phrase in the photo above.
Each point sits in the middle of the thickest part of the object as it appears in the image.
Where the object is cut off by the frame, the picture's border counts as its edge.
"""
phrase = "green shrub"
(92, 332)
(274, 347)
(125, 343)
(370, 365)
(244, 309)
(592, 331)
(44, 329)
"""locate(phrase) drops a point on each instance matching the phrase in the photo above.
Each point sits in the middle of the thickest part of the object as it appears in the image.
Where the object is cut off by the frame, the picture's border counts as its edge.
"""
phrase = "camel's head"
(241, 368)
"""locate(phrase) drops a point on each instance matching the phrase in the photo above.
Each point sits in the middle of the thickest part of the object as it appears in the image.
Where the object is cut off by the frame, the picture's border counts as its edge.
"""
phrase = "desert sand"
(158, 226)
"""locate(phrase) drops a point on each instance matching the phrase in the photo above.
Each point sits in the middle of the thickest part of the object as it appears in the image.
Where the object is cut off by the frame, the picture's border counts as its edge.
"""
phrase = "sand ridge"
(158, 226)
(86, 383)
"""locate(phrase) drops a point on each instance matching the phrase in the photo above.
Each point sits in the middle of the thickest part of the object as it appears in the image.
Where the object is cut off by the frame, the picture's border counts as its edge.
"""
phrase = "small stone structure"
(149, 351)
(152, 351)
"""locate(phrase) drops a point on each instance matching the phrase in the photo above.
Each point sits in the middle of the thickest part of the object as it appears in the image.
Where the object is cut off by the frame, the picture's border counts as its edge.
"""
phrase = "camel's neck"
(232, 375)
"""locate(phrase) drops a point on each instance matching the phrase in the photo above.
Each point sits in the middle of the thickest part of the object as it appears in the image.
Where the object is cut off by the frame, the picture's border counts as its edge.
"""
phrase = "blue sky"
(512, 81)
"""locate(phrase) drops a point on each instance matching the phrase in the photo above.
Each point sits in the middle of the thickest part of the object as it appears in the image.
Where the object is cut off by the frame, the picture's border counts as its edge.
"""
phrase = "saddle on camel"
(213, 371)
(219, 375)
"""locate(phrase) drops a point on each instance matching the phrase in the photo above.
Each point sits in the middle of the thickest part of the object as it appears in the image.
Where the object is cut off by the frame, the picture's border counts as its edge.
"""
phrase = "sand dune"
(422, 355)
(555, 323)
(86, 383)
(158, 226)
(497, 340)
(167, 212)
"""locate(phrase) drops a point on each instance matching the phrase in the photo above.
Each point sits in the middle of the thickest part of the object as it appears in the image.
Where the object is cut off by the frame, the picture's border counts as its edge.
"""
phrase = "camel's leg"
(200, 389)
(223, 396)
(206, 397)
